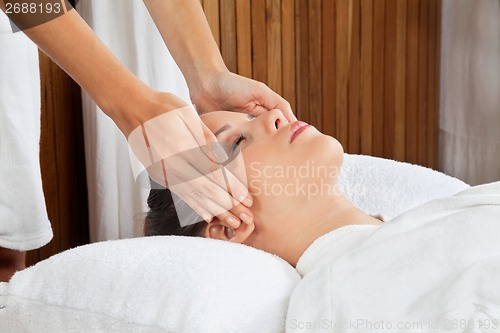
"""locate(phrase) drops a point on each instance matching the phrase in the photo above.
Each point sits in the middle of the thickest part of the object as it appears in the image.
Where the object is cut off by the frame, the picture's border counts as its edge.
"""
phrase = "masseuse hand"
(228, 91)
(178, 151)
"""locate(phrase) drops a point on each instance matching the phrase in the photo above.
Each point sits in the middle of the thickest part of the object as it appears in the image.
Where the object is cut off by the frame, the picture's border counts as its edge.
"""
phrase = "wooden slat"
(412, 82)
(244, 40)
(367, 76)
(400, 83)
(432, 86)
(302, 59)
(273, 25)
(423, 81)
(259, 40)
(288, 51)
(354, 78)
(315, 84)
(389, 78)
(228, 33)
(378, 77)
(328, 71)
(48, 154)
(211, 8)
(341, 69)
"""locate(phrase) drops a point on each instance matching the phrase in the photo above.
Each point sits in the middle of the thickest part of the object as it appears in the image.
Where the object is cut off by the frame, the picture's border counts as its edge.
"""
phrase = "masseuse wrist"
(140, 106)
(201, 90)
(200, 81)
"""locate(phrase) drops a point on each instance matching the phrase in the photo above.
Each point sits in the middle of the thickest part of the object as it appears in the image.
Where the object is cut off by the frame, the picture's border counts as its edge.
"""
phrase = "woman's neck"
(315, 219)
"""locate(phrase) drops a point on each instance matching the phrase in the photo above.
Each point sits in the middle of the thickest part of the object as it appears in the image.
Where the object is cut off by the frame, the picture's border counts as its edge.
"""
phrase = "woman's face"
(291, 169)
(284, 161)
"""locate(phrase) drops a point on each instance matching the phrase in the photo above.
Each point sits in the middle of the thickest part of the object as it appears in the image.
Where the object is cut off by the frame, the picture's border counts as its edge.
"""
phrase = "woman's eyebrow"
(222, 129)
(227, 126)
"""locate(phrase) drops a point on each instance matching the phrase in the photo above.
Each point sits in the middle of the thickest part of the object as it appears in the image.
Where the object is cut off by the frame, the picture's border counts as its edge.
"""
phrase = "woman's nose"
(274, 120)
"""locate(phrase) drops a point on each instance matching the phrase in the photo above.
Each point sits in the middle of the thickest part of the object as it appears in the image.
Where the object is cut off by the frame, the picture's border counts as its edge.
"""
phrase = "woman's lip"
(296, 128)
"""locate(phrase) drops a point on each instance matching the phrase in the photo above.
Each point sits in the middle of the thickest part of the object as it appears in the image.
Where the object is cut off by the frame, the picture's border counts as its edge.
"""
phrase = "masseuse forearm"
(186, 32)
(70, 42)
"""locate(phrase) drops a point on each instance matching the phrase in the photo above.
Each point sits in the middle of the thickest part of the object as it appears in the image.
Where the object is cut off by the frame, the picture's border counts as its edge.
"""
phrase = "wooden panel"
(315, 84)
(274, 56)
(342, 52)
(422, 80)
(288, 51)
(400, 83)
(434, 37)
(228, 34)
(302, 59)
(366, 95)
(412, 82)
(244, 40)
(378, 77)
(354, 131)
(328, 69)
(389, 79)
(259, 40)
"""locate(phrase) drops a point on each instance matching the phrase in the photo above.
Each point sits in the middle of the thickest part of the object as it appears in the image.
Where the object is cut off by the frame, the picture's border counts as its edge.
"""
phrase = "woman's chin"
(327, 149)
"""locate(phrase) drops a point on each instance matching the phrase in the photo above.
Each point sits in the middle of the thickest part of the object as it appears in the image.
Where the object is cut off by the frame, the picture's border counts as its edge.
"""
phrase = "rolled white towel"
(389, 188)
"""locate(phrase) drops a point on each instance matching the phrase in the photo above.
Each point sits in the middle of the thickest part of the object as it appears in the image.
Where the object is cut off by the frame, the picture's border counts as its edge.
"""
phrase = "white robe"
(433, 268)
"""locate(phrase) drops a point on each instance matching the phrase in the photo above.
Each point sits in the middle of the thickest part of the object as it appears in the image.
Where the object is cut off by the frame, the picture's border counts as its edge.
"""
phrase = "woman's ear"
(217, 230)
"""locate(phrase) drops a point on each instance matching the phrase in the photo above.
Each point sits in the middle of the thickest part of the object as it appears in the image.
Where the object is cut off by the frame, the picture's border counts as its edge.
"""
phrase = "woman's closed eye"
(237, 142)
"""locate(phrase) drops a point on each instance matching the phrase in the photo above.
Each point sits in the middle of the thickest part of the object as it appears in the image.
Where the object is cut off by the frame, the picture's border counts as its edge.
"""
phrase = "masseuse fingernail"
(246, 218)
(219, 154)
(206, 217)
(233, 222)
(246, 200)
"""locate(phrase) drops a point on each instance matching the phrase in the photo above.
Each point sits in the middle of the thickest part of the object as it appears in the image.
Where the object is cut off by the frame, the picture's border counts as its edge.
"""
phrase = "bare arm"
(70, 42)
(185, 30)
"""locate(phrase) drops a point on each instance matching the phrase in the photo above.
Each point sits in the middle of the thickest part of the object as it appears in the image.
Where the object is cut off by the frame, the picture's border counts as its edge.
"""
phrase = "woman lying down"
(433, 268)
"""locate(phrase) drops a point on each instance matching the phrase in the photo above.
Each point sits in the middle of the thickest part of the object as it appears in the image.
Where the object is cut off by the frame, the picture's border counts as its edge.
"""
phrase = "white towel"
(24, 223)
(174, 284)
(389, 188)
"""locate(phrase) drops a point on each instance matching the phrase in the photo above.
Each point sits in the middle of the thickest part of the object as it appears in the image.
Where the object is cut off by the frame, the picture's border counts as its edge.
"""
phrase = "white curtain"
(116, 201)
(470, 90)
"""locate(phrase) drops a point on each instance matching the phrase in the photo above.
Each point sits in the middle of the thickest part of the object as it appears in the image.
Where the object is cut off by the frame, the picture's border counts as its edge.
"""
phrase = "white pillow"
(182, 284)
(154, 284)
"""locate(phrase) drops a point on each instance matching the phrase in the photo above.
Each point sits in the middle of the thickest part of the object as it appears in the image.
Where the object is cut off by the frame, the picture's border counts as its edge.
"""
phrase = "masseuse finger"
(243, 213)
(207, 203)
(235, 183)
(271, 100)
(204, 138)
(230, 176)
(206, 196)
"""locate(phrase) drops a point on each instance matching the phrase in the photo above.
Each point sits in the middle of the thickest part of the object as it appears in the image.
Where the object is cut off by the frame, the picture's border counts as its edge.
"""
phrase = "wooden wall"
(364, 71)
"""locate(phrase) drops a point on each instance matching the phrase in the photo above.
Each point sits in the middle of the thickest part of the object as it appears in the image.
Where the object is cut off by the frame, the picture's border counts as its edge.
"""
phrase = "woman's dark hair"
(162, 218)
